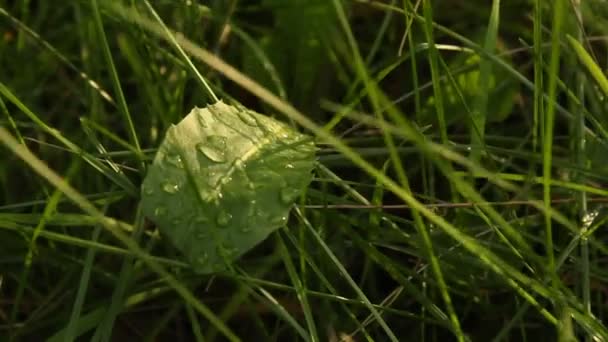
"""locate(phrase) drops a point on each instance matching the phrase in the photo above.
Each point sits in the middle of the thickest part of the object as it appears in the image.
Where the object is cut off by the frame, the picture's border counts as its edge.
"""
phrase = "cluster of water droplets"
(214, 148)
(217, 225)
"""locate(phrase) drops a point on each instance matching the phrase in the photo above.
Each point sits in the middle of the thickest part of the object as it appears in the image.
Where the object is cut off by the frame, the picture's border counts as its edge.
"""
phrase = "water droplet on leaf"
(231, 152)
(279, 220)
(170, 187)
(214, 148)
(224, 218)
(247, 118)
(175, 160)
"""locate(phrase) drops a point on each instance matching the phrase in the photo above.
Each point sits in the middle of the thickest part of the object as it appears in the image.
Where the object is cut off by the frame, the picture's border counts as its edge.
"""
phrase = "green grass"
(459, 192)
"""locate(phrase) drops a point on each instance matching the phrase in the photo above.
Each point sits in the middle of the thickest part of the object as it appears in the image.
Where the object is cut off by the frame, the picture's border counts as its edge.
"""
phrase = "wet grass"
(458, 195)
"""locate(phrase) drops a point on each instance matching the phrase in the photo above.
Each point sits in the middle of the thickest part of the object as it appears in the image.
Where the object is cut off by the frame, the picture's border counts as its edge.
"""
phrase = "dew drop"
(160, 211)
(214, 148)
(170, 187)
(589, 218)
(289, 166)
(279, 220)
(204, 195)
(175, 160)
(247, 118)
(246, 229)
(224, 218)
(288, 195)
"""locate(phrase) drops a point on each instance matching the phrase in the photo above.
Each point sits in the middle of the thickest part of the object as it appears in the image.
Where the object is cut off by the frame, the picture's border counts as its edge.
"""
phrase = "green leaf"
(223, 179)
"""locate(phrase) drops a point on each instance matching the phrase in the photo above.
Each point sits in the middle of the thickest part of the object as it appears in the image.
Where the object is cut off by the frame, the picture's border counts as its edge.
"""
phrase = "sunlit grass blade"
(587, 61)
